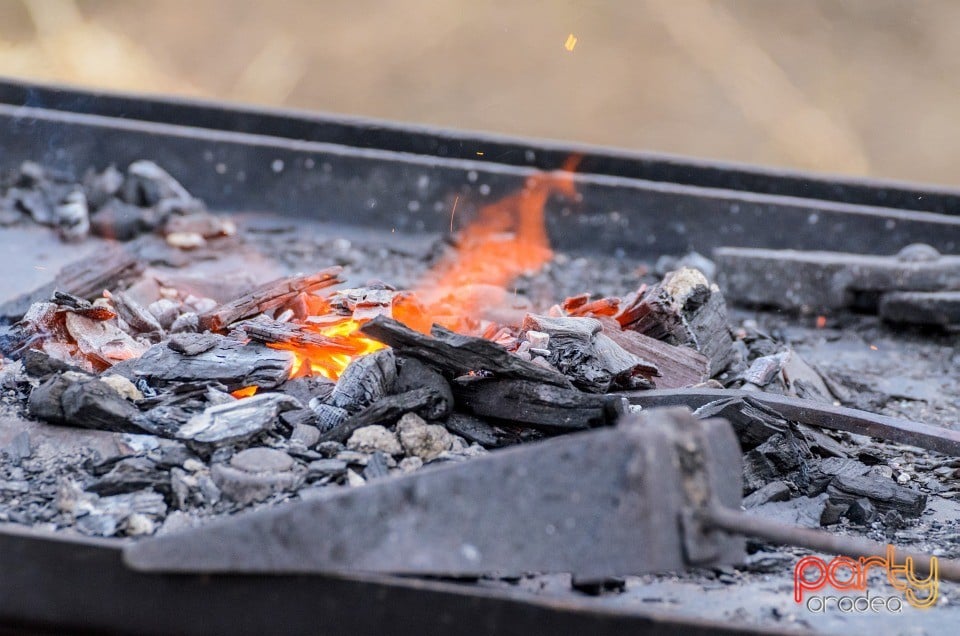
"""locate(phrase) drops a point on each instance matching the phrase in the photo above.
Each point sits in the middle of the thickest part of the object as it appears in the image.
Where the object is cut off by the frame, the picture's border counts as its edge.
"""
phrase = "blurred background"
(867, 87)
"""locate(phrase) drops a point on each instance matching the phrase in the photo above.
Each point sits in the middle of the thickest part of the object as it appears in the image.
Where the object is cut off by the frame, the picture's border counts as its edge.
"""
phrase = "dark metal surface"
(64, 585)
(597, 504)
(839, 418)
(480, 147)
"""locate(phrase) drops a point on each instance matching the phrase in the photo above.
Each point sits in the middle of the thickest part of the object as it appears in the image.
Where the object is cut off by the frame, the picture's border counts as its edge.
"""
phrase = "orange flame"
(506, 240)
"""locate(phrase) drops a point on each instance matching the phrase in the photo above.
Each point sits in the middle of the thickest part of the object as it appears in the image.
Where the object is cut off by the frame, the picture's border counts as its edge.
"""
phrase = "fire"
(247, 391)
(507, 239)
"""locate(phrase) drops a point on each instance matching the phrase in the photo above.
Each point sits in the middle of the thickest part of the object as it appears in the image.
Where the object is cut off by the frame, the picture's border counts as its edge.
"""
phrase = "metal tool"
(659, 492)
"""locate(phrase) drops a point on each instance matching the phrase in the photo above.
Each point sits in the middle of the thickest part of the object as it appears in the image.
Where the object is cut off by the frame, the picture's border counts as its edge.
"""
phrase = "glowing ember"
(507, 239)
(570, 43)
(247, 391)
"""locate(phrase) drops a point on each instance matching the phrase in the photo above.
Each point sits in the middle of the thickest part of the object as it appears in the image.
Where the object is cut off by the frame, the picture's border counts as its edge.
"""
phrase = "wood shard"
(237, 421)
(679, 367)
(455, 354)
(268, 296)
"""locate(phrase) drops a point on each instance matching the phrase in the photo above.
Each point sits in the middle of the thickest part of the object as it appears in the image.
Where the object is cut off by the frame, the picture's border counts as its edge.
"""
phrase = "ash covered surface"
(189, 450)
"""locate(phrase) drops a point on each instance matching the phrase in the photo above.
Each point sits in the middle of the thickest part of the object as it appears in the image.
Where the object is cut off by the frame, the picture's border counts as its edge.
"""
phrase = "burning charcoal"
(376, 468)
(773, 491)
(129, 475)
(884, 494)
(81, 400)
(589, 358)
(237, 421)
(263, 329)
(218, 359)
(257, 473)
(134, 314)
(370, 439)
(366, 380)
(414, 374)
(326, 468)
(423, 440)
(456, 354)
(101, 340)
(268, 296)
(72, 217)
(474, 429)
(542, 405)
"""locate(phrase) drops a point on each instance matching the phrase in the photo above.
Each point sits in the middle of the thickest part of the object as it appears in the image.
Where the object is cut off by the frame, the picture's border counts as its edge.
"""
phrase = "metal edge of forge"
(429, 140)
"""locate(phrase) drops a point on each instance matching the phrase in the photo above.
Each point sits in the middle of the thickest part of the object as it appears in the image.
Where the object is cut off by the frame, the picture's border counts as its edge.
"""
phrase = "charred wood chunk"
(132, 474)
(474, 429)
(545, 406)
(267, 330)
(593, 361)
(366, 380)
(683, 309)
(414, 374)
(85, 278)
(385, 411)
(267, 296)
(883, 493)
(218, 359)
(237, 421)
(84, 401)
(781, 455)
(455, 354)
(678, 367)
(39, 365)
(753, 422)
(329, 417)
(135, 314)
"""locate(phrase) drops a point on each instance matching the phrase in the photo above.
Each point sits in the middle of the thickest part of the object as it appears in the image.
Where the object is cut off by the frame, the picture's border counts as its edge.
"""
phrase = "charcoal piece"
(39, 365)
(884, 494)
(329, 448)
(773, 491)
(832, 512)
(245, 487)
(677, 367)
(763, 370)
(238, 421)
(940, 309)
(474, 429)
(267, 330)
(805, 512)
(101, 340)
(821, 443)
(376, 467)
(384, 411)
(593, 587)
(228, 362)
(132, 474)
(591, 360)
(711, 331)
(304, 434)
(329, 417)
(308, 388)
(414, 374)
(84, 401)
(326, 468)
(862, 512)
(187, 322)
(192, 344)
(135, 314)
(780, 455)
(86, 278)
(753, 422)
(365, 380)
(455, 354)
(297, 418)
(101, 187)
(267, 296)
(262, 460)
(147, 184)
(542, 405)
(165, 420)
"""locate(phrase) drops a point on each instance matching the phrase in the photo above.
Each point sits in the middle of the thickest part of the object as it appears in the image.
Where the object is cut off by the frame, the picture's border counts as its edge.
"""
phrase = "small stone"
(353, 479)
(329, 449)
(426, 441)
(245, 488)
(323, 467)
(138, 525)
(374, 438)
(262, 460)
(188, 322)
(166, 311)
(123, 386)
(186, 240)
(538, 339)
(305, 434)
(410, 464)
(193, 465)
(354, 458)
(376, 467)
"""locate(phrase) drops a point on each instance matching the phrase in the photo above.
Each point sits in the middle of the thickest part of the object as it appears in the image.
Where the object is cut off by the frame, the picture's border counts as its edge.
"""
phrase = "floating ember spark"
(570, 43)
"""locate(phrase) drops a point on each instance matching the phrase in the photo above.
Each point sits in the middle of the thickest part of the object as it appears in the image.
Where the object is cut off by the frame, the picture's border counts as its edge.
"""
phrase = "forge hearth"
(194, 363)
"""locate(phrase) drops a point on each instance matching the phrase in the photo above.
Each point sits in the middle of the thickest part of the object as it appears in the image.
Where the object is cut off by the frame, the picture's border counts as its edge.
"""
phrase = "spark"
(821, 322)
(570, 43)
(874, 348)
(454, 211)
(479, 153)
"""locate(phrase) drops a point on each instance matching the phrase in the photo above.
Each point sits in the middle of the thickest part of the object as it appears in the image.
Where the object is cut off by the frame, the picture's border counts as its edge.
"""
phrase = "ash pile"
(218, 397)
